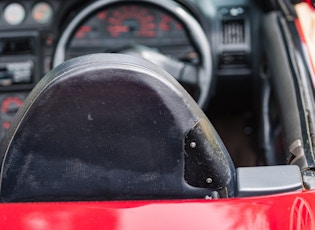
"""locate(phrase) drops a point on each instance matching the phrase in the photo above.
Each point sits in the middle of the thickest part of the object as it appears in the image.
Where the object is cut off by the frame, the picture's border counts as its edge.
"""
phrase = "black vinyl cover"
(104, 127)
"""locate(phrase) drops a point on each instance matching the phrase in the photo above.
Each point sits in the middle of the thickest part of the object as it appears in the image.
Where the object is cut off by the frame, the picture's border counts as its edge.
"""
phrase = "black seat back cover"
(102, 127)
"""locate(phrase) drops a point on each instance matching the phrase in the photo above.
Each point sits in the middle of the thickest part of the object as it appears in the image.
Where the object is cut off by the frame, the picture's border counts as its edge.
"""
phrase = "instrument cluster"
(125, 25)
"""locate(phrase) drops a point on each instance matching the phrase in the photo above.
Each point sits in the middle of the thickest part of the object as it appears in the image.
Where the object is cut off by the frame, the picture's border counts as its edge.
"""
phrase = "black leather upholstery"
(108, 127)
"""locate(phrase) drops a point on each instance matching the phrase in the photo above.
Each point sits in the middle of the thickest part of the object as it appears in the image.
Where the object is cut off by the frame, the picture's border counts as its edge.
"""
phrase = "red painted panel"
(310, 2)
(293, 211)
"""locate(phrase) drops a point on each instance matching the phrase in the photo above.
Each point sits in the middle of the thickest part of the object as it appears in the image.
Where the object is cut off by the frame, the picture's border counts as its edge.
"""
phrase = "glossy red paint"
(307, 50)
(310, 2)
(288, 211)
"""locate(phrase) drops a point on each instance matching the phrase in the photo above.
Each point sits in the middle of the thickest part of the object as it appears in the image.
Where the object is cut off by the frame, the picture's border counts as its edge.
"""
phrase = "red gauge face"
(83, 30)
(132, 21)
(168, 23)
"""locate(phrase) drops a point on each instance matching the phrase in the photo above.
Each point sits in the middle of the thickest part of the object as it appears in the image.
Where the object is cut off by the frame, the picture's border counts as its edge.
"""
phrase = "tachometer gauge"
(90, 31)
(133, 21)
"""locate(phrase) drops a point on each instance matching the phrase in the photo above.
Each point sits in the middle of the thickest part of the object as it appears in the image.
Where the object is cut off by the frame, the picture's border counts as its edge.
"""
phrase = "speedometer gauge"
(132, 21)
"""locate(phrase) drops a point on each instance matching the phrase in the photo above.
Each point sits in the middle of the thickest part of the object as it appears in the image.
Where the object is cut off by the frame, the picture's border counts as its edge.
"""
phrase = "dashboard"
(30, 31)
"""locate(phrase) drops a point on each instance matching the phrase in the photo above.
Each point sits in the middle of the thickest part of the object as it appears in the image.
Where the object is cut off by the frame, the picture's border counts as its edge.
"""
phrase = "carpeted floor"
(239, 139)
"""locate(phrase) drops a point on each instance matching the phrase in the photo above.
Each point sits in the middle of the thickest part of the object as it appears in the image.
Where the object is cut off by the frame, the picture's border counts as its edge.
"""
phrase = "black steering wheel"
(200, 74)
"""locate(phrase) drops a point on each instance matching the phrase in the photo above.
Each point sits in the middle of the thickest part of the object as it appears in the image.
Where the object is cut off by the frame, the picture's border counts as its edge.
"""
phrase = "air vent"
(233, 60)
(233, 31)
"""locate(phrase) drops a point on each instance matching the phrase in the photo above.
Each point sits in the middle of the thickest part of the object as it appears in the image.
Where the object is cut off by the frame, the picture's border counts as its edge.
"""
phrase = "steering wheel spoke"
(182, 71)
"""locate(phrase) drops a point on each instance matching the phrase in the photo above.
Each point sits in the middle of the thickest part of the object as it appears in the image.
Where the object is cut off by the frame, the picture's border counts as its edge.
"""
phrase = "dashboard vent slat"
(233, 31)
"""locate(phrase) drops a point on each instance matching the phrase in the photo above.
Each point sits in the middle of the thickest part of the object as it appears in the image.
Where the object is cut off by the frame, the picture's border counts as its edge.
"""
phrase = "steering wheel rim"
(194, 29)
